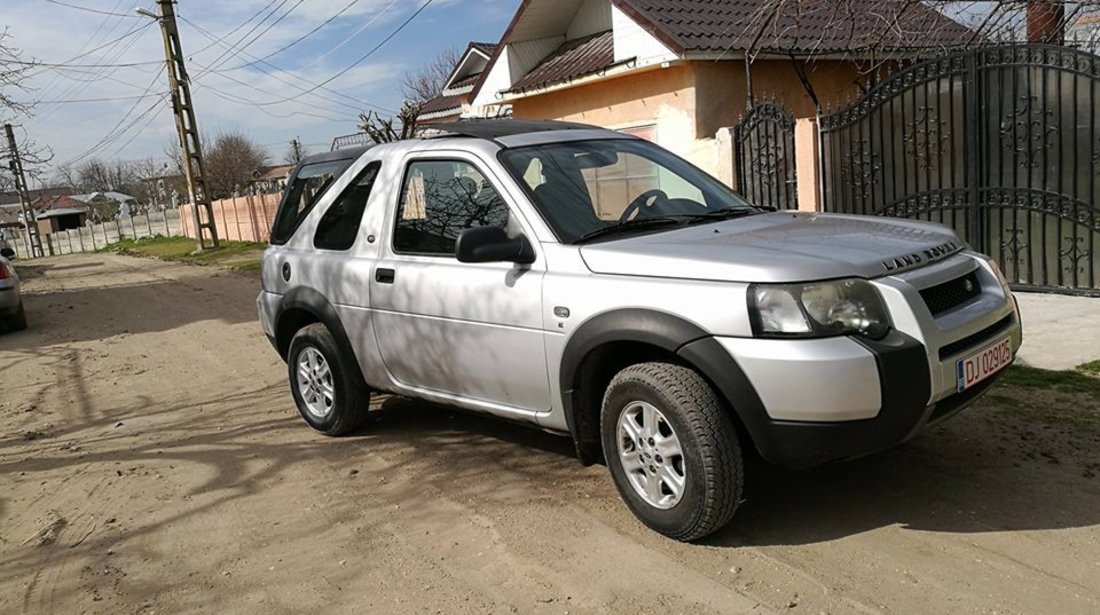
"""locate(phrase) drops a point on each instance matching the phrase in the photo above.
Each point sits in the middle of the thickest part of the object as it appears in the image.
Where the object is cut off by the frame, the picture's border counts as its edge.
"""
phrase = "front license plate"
(982, 364)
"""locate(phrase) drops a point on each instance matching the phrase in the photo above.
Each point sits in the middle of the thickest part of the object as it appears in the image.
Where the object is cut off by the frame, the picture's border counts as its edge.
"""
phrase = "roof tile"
(806, 26)
(576, 58)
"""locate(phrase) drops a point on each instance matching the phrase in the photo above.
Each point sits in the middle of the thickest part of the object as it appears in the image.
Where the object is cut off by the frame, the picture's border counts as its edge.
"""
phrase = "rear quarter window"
(306, 187)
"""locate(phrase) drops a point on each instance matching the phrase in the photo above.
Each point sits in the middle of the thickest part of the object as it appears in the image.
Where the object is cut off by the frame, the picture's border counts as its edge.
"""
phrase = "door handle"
(384, 276)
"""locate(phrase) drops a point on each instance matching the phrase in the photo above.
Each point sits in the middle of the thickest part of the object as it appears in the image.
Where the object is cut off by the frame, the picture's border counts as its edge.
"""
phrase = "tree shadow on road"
(104, 310)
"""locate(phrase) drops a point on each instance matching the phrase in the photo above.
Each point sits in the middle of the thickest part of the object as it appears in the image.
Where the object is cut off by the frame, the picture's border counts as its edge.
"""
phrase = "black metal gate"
(764, 141)
(1001, 143)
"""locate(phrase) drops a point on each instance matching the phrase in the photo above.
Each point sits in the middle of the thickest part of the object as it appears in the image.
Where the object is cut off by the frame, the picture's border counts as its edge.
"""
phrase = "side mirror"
(7, 252)
(491, 244)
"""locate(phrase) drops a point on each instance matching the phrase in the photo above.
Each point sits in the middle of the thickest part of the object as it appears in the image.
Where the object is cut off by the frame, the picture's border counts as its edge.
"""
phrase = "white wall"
(592, 16)
(632, 41)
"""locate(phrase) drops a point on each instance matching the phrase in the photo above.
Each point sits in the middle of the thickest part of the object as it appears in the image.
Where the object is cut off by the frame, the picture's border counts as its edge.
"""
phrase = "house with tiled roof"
(676, 71)
(456, 99)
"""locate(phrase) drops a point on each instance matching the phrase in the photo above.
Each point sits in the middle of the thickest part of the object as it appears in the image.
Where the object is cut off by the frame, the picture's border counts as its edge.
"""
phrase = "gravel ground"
(151, 460)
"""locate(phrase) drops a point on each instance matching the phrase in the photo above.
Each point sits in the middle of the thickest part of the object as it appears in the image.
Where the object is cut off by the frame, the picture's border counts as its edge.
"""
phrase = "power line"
(114, 134)
(110, 136)
(302, 37)
(72, 61)
(92, 100)
(259, 23)
(257, 37)
(111, 56)
(231, 32)
(378, 15)
(90, 10)
(226, 96)
(362, 58)
(102, 22)
(357, 106)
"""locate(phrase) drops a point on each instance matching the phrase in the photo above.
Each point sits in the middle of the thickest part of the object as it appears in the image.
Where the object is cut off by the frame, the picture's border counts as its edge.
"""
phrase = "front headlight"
(820, 309)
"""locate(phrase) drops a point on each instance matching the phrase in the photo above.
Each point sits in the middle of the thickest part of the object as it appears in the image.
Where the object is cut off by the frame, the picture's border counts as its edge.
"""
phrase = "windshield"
(583, 187)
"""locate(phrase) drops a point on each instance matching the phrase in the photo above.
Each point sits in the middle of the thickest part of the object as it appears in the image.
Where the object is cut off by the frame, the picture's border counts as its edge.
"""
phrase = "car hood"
(778, 247)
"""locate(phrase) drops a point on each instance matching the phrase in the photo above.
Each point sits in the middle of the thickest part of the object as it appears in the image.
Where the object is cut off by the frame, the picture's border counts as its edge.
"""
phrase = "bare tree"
(14, 72)
(426, 82)
(296, 151)
(387, 130)
(103, 175)
(232, 159)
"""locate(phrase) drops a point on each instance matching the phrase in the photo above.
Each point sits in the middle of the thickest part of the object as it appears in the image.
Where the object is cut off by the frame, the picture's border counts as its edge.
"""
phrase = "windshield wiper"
(726, 213)
(629, 225)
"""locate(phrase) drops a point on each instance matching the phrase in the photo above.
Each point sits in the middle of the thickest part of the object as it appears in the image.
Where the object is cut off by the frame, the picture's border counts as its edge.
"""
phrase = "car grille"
(970, 341)
(949, 295)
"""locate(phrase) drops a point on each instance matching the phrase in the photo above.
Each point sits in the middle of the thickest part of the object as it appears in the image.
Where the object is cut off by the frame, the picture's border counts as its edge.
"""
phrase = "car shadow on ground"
(944, 481)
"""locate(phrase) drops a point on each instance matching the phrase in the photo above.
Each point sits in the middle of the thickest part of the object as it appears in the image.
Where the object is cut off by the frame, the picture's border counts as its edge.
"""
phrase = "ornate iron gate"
(764, 140)
(1001, 143)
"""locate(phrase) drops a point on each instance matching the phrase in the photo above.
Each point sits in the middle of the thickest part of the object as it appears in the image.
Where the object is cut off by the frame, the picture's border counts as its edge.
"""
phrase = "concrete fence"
(92, 237)
(243, 218)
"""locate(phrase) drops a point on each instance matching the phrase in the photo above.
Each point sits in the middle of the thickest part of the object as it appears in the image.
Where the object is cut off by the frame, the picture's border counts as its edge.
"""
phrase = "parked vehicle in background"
(595, 285)
(12, 315)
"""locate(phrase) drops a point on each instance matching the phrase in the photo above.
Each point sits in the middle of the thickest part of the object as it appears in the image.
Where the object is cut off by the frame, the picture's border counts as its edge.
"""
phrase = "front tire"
(672, 449)
(326, 390)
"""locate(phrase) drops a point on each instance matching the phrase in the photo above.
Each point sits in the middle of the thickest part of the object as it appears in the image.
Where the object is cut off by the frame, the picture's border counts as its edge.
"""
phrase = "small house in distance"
(61, 219)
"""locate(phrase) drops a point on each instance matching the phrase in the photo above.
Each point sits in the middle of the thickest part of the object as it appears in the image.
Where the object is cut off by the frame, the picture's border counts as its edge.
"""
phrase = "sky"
(123, 112)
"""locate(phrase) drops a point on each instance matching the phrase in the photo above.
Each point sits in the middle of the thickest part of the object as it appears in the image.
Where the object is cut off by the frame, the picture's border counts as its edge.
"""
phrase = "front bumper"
(901, 386)
(806, 402)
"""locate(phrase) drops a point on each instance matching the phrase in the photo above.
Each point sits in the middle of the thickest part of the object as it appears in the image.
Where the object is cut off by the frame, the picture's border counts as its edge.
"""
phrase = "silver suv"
(594, 285)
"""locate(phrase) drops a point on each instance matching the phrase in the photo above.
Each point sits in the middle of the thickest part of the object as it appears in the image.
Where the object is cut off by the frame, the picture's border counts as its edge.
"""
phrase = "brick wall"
(243, 218)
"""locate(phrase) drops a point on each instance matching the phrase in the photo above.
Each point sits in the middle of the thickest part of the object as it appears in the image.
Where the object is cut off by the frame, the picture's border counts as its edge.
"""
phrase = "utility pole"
(190, 145)
(32, 238)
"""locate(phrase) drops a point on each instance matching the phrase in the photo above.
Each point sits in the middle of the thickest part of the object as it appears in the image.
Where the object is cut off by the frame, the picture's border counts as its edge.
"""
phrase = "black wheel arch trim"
(902, 367)
(673, 334)
(312, 301)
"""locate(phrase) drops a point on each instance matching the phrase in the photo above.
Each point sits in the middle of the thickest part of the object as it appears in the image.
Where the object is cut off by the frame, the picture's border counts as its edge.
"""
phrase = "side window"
(310, 183)
(439, 200)
(340, 224)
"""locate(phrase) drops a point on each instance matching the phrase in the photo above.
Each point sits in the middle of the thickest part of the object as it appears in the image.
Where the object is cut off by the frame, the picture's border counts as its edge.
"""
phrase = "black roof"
(348, 153)
(494, 129)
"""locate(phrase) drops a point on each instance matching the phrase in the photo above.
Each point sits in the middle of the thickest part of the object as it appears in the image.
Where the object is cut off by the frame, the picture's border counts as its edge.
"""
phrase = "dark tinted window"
(310, 183)
(439, 200)
(340, 224)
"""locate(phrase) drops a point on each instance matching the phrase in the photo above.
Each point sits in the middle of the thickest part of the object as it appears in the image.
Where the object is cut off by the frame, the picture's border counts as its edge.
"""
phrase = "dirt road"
(151, 460)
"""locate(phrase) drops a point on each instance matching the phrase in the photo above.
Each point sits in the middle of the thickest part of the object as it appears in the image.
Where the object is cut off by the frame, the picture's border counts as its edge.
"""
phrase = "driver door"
(469, 330)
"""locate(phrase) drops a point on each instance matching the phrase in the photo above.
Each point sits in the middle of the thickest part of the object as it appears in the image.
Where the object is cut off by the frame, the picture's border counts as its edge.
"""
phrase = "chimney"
(1046, 22)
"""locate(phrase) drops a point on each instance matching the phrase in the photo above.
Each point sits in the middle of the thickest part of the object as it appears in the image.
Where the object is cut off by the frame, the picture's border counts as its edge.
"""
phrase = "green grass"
(1091, 368)
(238, 255)
(1080, 380)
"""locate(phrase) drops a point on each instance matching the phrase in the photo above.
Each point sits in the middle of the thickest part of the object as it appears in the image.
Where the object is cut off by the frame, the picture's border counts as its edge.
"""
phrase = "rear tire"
(326, 389)
(18, 322)
(694, 488)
